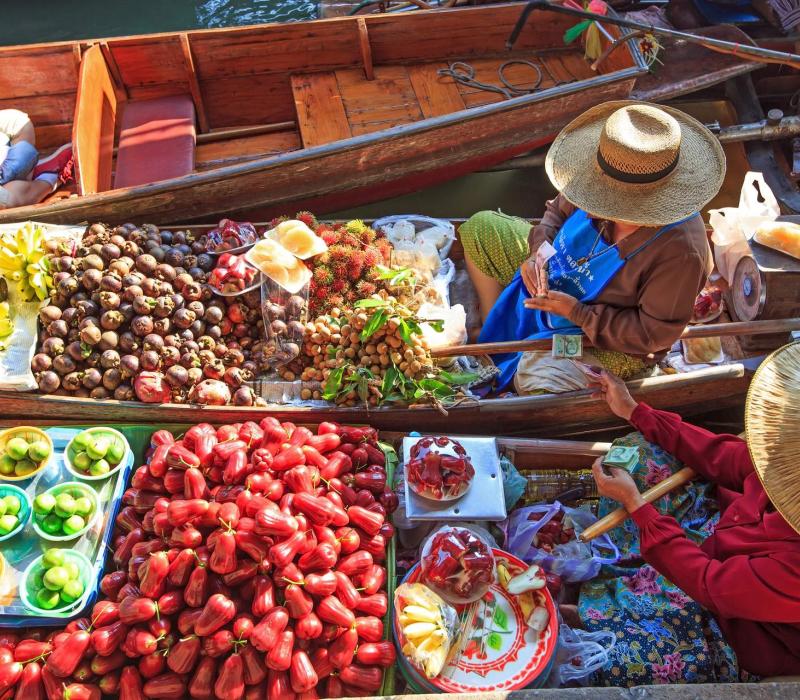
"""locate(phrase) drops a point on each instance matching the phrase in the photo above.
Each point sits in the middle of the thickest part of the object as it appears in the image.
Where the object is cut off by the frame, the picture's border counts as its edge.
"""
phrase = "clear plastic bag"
(458, 564)
(579, 654)
(421, 229)
(284, 316)
(574, 561)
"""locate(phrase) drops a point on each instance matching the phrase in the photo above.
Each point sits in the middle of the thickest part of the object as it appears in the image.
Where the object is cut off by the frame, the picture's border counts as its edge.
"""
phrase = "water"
(26, 22)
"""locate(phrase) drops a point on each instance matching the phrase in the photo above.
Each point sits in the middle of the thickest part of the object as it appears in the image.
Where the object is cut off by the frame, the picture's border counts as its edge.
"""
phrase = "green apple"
(47, 599)
(71, 591)
(82, 461)
(25, 467)
(97, 448)
(82, 439)
(73, 524)
(17, 448)
(3, 507)
(39, 451)
(55, 578)
(83, 506)
(65, 505)
(44, 503)
(52, 524)
(8, 523)
(100, 467)
(7, 465)
(12, 504)
(73, 570)
(116, 451)
(53, 557)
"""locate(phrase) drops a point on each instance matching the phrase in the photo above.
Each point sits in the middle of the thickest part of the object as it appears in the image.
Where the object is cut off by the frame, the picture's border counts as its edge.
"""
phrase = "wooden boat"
(249, 122)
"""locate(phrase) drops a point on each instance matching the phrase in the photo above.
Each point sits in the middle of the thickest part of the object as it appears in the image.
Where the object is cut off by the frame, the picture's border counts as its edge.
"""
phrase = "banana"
(5, 309)
(419, 630)
(417, 613)
(421, 615)
(6, 327)
(23, 259)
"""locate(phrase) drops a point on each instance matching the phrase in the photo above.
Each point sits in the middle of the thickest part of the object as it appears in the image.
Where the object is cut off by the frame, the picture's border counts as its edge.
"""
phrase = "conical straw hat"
(772, 425)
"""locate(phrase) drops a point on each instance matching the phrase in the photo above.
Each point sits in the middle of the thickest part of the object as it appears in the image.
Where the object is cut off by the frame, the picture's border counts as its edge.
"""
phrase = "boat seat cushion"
(156, 141)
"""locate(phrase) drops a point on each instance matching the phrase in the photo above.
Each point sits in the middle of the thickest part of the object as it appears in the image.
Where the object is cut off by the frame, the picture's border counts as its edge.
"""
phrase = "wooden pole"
(620, 515)
(710, 330)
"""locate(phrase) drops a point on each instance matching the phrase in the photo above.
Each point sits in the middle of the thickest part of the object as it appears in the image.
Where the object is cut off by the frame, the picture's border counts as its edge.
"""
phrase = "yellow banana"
(417, 613)
(417, 630)
(6, 327)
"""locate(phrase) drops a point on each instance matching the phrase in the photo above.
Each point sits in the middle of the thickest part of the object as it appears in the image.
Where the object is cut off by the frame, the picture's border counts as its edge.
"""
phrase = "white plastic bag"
(578, 655)
(455, 325)
(733, 227)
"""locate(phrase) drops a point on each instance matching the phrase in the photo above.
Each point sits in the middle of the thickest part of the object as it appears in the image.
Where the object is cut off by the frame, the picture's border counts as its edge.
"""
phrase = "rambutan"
(322, 292)
(339, 285)
(385, 249)
(323, 274)
(351, 296)
(307, 218)
(365, 288)
(339, 254)
(356, 227)
(335, 300)
(372, 257)
(330, 237)
(368, 235)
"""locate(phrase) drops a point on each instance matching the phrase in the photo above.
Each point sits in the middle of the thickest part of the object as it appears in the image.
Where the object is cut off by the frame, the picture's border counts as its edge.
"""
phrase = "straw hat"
(636, 163)
(773, 429)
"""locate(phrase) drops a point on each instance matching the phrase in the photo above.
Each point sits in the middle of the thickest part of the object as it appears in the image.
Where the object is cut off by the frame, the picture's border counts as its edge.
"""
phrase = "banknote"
(591, 371)
(543, 254)
(567, 346)
(622, 457)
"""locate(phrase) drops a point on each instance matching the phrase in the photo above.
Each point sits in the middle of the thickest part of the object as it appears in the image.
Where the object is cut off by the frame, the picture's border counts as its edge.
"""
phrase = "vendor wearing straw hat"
(629, 248)
(722, 564)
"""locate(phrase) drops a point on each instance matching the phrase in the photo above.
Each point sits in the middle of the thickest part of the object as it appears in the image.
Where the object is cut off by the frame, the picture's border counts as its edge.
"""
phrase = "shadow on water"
(24, 22)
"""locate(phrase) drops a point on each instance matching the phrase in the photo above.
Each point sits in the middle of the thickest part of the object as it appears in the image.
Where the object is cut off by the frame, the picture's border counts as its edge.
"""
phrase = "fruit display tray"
(20, 550)
(483, 500)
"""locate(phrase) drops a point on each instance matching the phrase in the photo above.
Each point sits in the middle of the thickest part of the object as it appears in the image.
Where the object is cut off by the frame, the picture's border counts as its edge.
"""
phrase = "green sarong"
(497, 243)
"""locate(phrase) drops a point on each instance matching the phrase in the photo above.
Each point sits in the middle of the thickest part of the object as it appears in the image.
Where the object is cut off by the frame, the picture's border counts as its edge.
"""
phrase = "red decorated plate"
(496, 650)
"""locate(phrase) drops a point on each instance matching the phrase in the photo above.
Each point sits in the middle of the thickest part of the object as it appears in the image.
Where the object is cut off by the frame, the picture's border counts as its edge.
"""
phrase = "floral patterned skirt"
(662, 635)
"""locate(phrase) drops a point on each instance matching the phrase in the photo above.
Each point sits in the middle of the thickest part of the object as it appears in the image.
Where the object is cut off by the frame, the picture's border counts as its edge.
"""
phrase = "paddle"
(619, 516)
(711, 330)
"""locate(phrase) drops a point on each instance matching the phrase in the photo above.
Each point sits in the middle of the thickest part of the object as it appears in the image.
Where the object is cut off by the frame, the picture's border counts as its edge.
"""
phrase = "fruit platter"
(439, 468)
(55, 525)
(457, 564)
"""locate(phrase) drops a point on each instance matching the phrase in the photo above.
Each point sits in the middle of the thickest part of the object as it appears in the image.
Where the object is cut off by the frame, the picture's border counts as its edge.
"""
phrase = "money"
(567, 346)
(543, 254)
(622, 457)
(591, 371)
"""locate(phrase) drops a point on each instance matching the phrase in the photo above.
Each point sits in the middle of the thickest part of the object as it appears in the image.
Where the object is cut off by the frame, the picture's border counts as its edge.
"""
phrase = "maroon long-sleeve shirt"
(748, 572)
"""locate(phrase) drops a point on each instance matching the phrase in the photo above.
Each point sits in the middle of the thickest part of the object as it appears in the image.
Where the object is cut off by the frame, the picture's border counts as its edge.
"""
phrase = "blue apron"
(510, 320)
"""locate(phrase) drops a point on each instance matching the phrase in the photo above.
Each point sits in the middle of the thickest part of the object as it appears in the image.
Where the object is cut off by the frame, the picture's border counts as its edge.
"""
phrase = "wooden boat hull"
(349, 172)
(570, 414)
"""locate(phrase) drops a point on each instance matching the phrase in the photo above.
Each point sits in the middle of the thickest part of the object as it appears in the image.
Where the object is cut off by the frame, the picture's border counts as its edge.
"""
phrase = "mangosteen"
(64, 364)
(48, 314)
(195, 375)
(68, 286)
(166, 237)
(274, 311)
(109, 300)
(81, 393)
(178, 300)
(143, 305)
(197, 274)
(96, 230)
(129, 365)
(177, 376)
(162, 326)
(146, 264)
(58, 328)
(92, 378)
(108, 341)
(99, 392)
(220, 349)
(70, 315)
(150, 361)
(133, 278)
(243, 396)
(172, 341)
(164, 307)
(127, 312)
(214, 332)
(295, 329)
(120, 268)
(91, 334)
(234, 377)
(189, 360)
(111, 320)
(131, 249)
(189, 346)
(206, 342)
(205, 262)
(295, 306)
(91, 279)
(124, 392)
(110, 252)
(76, 351)
(174, 257)
(198, 328)
(92, 262)
(170, 356)
(53, 346)
(213, 314)
(111, 283)
(92, 359)
(128, 342)
(142, 325)
(118, 240)
(278, 328)
(193, 291)
(183, 318)
(41, 362)
(87, 308)
(112, 378)
(109, 359)
(234, 356)
(181, 280)
(48, 382)
(153, 342)
(132, 292)
(214, 369)
(166, 272)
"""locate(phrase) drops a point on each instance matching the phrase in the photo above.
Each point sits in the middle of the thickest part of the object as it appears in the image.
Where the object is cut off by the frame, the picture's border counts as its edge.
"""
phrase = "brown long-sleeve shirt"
(647, 304)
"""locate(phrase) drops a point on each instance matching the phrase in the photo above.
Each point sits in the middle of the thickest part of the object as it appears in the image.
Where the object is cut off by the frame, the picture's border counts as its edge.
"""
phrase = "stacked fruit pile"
(250, 564)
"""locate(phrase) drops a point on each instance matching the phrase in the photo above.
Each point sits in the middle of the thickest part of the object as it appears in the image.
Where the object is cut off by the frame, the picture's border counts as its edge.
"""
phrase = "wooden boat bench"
(156, 140)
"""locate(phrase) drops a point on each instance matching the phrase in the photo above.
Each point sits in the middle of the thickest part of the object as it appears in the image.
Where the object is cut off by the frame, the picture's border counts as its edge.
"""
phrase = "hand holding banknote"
(611, 388)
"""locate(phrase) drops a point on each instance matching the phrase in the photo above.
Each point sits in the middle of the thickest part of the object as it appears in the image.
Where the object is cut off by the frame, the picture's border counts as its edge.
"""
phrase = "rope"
(464, 73)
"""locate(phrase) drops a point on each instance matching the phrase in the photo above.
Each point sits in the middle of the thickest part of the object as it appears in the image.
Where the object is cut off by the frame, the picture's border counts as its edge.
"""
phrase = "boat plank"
(44, 109)
(320, 113)
(194, 85)
(386, 100)
(39, 73)
(52, 135)
(248, 100)
(95, 118)
(217, 153)
(150, 62)
(436, 95)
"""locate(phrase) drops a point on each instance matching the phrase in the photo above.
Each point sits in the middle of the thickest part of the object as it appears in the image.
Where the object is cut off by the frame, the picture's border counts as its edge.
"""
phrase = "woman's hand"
(619, 486)
(615, 392)
(530, 276)
(555, 302)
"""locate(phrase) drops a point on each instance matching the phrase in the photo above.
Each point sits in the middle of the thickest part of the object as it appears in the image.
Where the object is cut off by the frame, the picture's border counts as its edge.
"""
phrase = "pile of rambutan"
(348, 271)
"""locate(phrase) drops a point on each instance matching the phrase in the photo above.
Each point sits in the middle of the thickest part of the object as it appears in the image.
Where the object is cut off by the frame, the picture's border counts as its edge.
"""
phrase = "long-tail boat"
(326, 114)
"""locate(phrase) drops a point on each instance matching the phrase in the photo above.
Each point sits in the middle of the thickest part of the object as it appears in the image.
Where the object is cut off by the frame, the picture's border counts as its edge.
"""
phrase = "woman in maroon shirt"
(747, 573)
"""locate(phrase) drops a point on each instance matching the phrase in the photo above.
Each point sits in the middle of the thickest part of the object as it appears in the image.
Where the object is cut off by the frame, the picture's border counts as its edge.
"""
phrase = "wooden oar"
(619, 516)
(711, 330)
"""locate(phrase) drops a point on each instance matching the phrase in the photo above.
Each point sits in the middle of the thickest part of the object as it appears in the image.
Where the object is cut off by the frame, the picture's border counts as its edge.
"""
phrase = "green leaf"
(333, 384)
(437, 324)
(574, 32)
(363, 390)
(494, 641)
(458, 378)
(437, 388)
(369, 303)
(407, 329)
(389, 380)
(378, 320)
(500, 618)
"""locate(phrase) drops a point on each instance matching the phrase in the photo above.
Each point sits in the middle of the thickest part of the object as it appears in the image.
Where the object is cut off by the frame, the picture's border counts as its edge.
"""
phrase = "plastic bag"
(574, 561)
(230, 235)
(458, 564)
(284, 316)
(514, 484)
(454, 331)
(578, 655)
(414, 228)
(733, 227)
